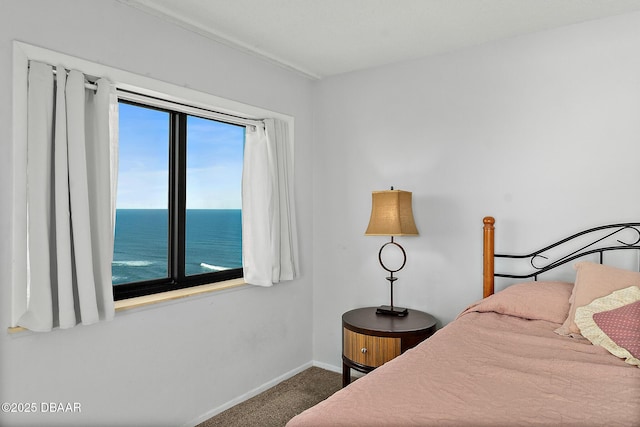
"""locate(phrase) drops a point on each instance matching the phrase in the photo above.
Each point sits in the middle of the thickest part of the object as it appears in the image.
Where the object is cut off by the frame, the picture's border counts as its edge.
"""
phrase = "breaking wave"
(213, 267)
(133, 263)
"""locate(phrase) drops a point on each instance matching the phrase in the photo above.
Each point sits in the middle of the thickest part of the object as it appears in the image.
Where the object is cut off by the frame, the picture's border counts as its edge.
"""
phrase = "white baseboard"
(327, 366)
(256, 391)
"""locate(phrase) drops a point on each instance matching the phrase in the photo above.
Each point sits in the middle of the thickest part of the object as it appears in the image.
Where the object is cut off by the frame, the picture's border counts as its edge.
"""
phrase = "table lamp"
(391, 215)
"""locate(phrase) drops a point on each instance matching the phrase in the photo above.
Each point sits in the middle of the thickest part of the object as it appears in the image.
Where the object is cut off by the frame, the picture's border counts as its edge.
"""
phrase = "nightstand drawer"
(370, 350)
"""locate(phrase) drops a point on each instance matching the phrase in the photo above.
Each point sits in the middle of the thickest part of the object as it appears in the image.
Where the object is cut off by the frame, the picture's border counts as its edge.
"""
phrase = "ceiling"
(321, 38)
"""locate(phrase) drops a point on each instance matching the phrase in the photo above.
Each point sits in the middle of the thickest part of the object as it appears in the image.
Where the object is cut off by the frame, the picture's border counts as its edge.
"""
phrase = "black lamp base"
(388, 310)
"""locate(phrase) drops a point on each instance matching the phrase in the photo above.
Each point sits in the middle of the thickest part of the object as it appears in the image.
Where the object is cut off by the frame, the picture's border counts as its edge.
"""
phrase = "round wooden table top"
(368, 320)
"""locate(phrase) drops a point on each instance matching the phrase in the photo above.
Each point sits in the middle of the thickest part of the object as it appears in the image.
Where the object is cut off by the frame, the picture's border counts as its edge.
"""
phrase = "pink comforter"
(490, 369)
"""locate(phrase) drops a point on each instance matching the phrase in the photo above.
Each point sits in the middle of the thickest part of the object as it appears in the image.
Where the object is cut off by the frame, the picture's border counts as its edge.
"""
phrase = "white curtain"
(71, 157)
(269, 238)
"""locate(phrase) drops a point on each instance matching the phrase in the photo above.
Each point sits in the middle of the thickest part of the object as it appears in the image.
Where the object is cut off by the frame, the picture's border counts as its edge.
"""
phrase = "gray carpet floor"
(277, 405)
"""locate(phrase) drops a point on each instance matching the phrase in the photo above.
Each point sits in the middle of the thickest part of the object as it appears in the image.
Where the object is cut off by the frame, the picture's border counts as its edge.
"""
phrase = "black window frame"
(177, 209)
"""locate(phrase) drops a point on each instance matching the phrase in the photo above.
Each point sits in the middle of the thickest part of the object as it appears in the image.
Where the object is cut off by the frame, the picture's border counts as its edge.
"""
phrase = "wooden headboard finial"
(487, 255)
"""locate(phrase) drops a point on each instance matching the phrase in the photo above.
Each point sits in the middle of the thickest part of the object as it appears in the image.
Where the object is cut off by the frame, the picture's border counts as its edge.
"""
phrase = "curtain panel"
(64, 276)
(269, 237)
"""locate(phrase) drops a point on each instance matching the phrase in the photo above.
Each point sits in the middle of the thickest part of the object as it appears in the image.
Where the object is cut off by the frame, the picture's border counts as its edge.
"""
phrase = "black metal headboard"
(598, 240)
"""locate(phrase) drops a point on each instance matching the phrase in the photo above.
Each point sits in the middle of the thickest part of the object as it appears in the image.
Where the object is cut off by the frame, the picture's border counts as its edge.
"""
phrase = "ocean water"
(213, 243)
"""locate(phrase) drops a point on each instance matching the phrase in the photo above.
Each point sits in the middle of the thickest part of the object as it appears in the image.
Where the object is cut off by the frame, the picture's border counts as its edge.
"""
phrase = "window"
(178, 209)
(164, 250)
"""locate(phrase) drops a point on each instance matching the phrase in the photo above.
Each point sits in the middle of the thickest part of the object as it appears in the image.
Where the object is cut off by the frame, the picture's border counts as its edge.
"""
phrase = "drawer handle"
(363, 350)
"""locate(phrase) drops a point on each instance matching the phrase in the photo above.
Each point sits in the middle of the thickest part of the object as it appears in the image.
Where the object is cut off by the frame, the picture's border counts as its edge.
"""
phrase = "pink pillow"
(613, 322)
(594, 281)
(529, 300)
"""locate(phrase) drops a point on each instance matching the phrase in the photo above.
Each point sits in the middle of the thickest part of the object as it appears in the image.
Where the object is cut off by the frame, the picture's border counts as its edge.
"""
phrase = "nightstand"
(369, 339)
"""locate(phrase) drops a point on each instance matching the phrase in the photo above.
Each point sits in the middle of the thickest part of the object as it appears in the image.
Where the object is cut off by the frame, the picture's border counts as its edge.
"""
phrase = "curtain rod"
(87, 85)
(173, 105)
(186, 108)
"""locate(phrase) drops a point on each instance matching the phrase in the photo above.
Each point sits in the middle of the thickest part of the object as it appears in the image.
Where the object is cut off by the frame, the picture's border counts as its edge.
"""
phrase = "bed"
(539, 352)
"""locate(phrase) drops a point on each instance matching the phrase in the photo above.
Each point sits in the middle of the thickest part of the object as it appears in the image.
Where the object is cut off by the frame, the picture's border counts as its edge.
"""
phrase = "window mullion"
(177, 196)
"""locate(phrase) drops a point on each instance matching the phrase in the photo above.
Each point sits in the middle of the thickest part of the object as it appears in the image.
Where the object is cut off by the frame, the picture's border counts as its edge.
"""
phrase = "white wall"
(541, 131)
(172, 363)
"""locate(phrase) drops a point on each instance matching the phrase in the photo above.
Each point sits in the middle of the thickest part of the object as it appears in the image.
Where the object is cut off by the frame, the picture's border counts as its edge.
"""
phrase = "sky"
(214, 161)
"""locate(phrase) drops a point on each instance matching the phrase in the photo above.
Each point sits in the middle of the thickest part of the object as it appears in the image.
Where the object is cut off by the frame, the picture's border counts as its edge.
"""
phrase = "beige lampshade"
(391, 214)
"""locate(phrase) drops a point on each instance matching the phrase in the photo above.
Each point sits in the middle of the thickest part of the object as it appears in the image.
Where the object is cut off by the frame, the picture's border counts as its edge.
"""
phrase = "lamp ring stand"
(404, 257)
(390, 309)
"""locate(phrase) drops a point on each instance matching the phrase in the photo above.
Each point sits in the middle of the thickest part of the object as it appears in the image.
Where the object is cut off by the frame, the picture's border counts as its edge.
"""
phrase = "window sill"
(127, 304)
